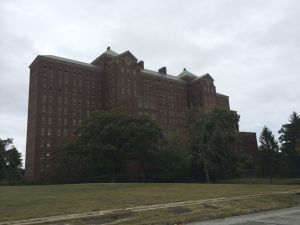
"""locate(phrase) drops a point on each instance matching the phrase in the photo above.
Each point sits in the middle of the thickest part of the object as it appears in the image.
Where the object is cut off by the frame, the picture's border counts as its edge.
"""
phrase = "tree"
(290, 144)
(106, 142)
(174, 159)
(268, 152)
(212, 134)
(10, 161)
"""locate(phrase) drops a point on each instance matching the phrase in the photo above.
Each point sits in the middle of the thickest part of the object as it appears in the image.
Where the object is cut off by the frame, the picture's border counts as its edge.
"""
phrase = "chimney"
(141, 64)
(163, 70)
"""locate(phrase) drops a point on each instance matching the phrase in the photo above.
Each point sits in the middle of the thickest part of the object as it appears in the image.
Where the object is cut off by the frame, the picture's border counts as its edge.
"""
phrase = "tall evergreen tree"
(268, 152)
(290, 145)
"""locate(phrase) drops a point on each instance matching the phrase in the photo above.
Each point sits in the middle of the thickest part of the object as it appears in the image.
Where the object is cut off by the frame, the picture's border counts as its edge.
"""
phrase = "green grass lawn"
(20, 202)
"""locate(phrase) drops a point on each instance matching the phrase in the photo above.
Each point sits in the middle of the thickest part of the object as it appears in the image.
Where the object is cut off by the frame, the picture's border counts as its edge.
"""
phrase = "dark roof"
(160, 75)
(61, 59)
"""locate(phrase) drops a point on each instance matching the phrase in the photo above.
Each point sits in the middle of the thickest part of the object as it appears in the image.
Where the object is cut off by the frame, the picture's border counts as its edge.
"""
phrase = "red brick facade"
(64, 92)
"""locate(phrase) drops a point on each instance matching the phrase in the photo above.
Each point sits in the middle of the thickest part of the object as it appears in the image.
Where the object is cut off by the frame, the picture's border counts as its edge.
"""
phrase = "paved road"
(290, 216)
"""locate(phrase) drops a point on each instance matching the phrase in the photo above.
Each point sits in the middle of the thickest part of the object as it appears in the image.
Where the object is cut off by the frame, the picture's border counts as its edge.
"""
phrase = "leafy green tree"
(290, 145)
(105, 144)
(174, 159)
(268, 153)
(212, 135)
(10, 161)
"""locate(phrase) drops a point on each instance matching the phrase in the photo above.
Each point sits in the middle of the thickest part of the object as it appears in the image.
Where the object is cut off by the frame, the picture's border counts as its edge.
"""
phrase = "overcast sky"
(251, 48)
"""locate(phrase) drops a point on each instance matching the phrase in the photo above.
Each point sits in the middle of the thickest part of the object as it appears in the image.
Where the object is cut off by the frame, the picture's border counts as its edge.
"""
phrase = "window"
(140, 103)
(65, 132)
(58, 132)
(43, 131)
(50, 109)
(66, 100)
(49, 132)
(59, 121)
(59, 100)
(43, 108)
(49, 120)
(65, 111)
(48, 144)
(42, 144)
(146, 104)
(50, 99)
(44, 98)
(43, 120)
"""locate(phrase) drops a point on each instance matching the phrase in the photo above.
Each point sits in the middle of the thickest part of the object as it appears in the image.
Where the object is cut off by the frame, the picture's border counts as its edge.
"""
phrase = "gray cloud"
(251, 48)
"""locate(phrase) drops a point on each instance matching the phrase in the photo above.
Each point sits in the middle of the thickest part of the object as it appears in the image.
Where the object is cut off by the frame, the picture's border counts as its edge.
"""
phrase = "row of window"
(64, 100)
(59, 132)
(49, 70)
(64, 111)
(128, 72)
(60, 121)
(65, 90)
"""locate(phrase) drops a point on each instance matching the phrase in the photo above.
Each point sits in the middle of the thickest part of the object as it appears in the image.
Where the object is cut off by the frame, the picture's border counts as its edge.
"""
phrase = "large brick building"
(63, 92)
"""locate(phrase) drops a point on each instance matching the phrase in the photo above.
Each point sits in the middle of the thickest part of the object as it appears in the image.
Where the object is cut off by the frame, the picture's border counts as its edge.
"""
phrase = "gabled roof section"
(65, 60)
(186, 75)
(207, 75)
(108, 53)
(128, 53)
